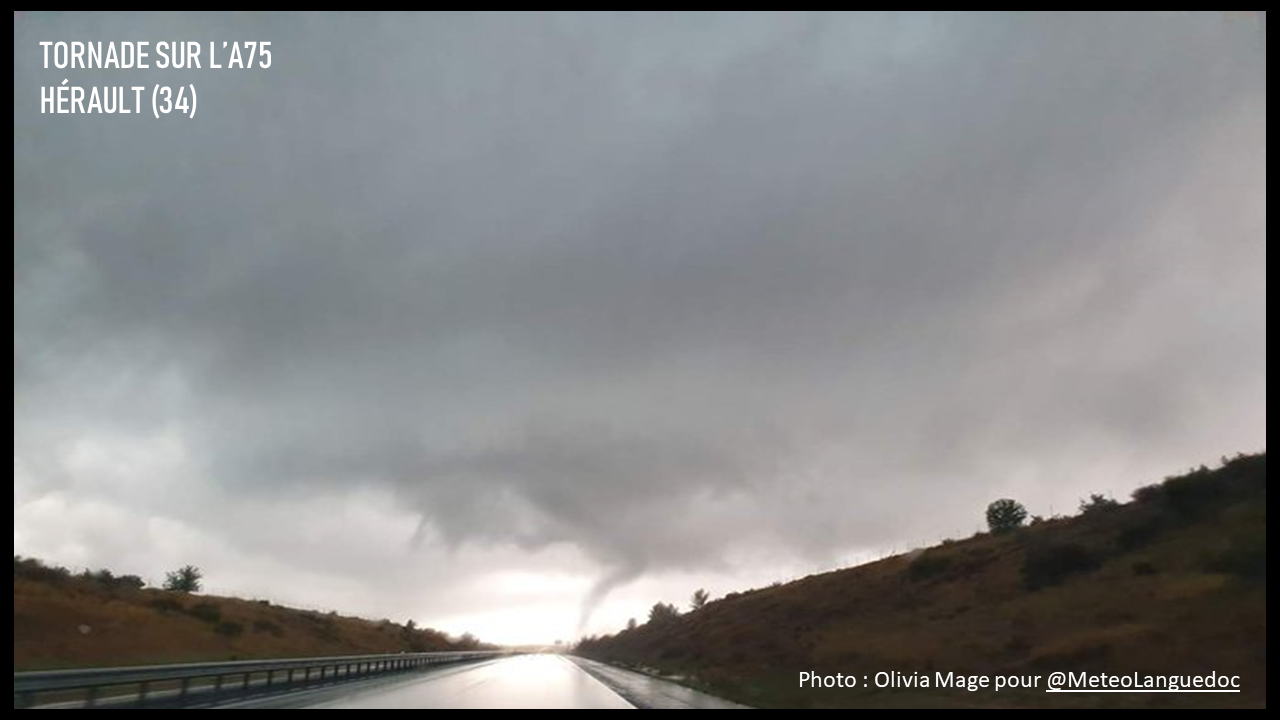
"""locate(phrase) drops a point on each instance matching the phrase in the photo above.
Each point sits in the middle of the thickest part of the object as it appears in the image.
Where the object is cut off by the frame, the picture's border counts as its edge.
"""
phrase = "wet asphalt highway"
(523, 681)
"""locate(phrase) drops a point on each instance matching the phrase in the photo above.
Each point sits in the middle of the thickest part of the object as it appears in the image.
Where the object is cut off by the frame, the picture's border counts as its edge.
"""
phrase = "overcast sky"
(478, 319)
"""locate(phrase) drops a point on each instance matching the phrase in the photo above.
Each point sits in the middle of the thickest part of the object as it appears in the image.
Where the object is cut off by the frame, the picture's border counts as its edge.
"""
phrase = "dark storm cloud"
(657, 286)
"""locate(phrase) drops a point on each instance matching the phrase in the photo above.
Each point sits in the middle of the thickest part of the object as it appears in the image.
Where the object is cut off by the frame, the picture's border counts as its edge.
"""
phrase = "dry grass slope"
(1173, 582)
(129, 626)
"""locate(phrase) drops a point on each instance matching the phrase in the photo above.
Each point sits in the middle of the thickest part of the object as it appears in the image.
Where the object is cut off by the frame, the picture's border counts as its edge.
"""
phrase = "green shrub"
(35, 569)
(166, 605)
(1047, 565)
(1097, 503)
(185, 579)
(662, 613)
(229, 629)
(928, 566)
(1245, 556)
(206, 612)
(131, 582)
(268, 627)
(1147, 494)
(1140, 532)
(1193, 494)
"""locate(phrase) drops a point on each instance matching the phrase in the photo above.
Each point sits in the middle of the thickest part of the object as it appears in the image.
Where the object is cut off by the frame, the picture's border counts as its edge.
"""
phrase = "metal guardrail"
(192, 684)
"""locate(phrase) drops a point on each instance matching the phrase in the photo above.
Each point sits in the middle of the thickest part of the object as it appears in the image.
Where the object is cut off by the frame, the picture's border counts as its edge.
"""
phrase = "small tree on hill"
(1005, 515)
(700, 598)
(131, 581)
(185, 579)
(663, 612)
(1097, 503)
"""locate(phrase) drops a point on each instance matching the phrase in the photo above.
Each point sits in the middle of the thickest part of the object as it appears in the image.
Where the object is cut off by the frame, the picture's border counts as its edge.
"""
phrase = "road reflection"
(523, 681)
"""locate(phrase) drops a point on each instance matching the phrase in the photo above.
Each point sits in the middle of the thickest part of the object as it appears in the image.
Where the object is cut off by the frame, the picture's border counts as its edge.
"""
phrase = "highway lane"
(522, 681)
(650, 692)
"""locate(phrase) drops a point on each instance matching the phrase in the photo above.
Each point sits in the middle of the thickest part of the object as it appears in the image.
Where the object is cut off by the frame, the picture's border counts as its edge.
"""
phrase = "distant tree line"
(35, 569)
(186, 579)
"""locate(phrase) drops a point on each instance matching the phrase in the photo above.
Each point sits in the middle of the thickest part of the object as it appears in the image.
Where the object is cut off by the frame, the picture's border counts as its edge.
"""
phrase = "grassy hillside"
(1172, 582)
(83, 621)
